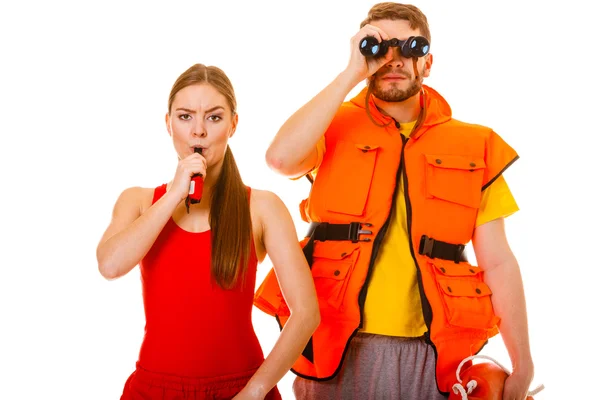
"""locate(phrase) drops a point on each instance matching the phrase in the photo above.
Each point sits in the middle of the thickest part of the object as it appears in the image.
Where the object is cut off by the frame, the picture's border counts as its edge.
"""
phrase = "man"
(399, 188)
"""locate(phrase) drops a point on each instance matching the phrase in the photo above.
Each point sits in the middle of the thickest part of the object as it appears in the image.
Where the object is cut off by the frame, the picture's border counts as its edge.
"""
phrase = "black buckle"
(356, 230)
(459, 253)
(426, 246)
(436, 249)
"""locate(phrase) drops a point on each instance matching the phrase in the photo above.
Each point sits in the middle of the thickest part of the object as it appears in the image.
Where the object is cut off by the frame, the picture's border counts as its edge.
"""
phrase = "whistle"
(196, 184)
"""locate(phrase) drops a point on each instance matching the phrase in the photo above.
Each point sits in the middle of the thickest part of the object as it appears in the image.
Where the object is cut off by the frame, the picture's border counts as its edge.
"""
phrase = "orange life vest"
(446, 164)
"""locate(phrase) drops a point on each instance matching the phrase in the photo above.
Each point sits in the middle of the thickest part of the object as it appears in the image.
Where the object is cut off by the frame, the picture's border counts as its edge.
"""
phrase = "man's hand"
(361, 67)
(517, 385)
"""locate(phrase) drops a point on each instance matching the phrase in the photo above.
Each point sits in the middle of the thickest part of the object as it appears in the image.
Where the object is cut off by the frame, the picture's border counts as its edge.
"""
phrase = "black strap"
(308, 249)
(325, 231)
(437, 249)
(308, 351)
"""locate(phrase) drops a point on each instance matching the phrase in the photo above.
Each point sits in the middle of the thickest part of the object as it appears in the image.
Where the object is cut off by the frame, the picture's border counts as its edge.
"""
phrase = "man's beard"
(394, 94)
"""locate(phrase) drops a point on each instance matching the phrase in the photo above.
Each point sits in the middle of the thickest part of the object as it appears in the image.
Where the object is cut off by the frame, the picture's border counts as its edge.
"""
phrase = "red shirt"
(193, 327)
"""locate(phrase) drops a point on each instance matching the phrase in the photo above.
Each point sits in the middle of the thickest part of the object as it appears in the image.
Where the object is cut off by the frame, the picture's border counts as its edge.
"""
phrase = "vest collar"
(436, 110)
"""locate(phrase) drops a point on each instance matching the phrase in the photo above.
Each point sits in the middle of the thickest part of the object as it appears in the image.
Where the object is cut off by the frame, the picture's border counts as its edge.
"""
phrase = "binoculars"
(413, 47)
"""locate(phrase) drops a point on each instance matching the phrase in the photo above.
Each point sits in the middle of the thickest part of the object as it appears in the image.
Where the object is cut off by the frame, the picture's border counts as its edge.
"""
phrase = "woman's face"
(201, 117)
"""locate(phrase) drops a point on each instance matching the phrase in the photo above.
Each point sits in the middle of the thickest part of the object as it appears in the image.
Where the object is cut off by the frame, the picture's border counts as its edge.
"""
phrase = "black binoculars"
(414, 46)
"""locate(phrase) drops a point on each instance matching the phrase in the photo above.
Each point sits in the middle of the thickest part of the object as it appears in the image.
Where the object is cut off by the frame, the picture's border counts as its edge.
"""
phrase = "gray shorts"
(378, 367)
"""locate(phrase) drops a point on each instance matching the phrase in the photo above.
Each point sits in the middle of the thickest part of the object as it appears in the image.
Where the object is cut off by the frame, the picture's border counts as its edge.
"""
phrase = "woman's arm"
(280, 240)
(131, 234)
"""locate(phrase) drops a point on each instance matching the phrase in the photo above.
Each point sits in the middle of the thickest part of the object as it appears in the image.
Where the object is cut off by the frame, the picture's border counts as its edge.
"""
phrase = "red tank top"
(193, 327)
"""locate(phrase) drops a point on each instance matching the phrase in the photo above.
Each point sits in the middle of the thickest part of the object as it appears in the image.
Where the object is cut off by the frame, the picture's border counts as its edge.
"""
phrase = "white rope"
(472, 384)
(463, 394)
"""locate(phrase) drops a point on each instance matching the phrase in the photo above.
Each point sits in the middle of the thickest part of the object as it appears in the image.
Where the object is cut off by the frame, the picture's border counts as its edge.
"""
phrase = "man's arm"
(293, 151)
(503, 276)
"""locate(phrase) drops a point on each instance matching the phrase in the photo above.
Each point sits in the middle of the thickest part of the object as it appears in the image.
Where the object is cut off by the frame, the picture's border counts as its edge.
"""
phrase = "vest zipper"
(362, 296)
(426, 307)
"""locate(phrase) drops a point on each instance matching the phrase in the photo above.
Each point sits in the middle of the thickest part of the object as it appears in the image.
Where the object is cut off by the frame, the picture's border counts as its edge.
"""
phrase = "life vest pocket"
(454, 178)
(333, 263)
(465, 296)
(349, 181)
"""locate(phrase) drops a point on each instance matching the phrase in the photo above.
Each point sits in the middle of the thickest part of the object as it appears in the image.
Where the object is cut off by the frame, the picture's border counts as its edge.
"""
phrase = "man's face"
(395, 81)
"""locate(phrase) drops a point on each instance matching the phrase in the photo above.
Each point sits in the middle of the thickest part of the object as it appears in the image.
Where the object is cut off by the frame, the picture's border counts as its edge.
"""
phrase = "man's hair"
(397, 11)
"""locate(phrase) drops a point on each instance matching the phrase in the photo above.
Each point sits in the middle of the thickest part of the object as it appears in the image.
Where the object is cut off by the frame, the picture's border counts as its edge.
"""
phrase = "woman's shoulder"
(263, 198)
(265, 203)
(142, 197)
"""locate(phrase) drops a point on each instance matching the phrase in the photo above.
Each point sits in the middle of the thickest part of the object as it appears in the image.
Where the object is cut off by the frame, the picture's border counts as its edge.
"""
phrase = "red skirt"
(146, 385)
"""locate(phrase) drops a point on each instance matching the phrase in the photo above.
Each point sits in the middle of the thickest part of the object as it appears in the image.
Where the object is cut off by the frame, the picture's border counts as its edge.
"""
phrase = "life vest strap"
(325, 231)
(437, 249)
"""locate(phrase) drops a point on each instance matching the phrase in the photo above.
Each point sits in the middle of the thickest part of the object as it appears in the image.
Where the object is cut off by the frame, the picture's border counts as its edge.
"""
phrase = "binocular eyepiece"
(413, 47)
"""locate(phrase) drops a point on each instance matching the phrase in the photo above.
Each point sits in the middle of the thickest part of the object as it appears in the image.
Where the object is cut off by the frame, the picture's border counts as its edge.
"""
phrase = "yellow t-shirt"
(393, 303)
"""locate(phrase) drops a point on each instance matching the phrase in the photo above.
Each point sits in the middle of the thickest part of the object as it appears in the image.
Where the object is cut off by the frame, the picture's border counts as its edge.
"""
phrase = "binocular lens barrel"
(414, 46)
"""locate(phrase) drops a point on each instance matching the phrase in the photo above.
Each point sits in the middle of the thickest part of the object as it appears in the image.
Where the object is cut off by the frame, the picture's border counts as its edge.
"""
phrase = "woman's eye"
(215, 118)
(185, 117)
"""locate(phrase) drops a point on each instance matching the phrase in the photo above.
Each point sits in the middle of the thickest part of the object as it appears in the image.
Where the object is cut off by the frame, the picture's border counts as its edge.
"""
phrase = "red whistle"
(196, 184)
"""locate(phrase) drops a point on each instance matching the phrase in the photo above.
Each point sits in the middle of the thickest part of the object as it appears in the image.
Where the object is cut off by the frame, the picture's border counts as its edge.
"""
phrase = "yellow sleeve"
(497, 201)
(320, 154)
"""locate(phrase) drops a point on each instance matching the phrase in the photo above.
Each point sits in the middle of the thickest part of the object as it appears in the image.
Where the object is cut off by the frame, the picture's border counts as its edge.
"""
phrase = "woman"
(198, 261)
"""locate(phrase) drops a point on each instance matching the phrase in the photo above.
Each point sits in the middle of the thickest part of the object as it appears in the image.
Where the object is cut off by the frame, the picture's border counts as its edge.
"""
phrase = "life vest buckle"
(426, 246)
(356, 231)
(437, 249)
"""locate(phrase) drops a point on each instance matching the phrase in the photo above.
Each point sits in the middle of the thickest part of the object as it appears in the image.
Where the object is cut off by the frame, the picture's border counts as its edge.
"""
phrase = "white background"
(83, 93)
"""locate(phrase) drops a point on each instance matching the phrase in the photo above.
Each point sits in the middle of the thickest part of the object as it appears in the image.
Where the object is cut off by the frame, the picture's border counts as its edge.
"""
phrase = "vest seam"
(499, 173)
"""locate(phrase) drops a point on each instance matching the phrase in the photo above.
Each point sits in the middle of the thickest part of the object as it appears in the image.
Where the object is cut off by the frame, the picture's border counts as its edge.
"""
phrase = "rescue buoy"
(484, 381)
